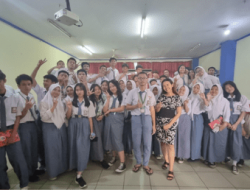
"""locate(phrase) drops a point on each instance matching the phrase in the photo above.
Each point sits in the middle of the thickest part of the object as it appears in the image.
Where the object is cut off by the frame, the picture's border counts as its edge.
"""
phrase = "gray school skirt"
(55, 147)
(113, 132)
(79, 143)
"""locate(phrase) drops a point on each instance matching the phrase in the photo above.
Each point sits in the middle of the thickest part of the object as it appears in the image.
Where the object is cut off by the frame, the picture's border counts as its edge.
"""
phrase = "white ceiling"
(173, 27)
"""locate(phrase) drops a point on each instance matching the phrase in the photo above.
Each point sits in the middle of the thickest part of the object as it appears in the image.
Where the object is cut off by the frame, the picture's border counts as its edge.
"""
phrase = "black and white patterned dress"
(164, 116)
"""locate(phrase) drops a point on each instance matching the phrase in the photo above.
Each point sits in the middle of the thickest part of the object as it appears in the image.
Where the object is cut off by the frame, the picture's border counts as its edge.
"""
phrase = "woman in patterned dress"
(168, 111)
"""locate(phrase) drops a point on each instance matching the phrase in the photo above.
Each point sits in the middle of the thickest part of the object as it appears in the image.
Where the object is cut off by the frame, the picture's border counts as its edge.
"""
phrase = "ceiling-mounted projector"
(66, 17)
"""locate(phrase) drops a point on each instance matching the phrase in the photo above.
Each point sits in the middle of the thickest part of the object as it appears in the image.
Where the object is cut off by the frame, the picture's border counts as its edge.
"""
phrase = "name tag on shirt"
(14, 110)
(239, 107)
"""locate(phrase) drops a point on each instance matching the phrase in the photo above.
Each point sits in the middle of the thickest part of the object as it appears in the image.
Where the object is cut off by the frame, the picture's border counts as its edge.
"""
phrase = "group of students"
(79, 117)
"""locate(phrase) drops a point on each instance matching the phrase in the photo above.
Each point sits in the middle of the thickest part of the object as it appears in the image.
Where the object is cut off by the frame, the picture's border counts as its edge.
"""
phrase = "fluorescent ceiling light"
(195, 47)
(87, 50)
(143, 22)
(227, 32)
(58, 27)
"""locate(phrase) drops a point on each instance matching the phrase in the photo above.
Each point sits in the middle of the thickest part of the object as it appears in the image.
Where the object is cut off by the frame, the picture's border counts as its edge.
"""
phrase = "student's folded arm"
(106, 106)
(49, 71)
(93, 79)
(131, 107)
(119, 109)
(24, 112)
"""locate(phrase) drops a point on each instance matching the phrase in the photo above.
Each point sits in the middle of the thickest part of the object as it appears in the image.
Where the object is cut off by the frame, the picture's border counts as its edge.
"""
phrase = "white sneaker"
(159, 157)
(24, 188)
(53, 178)
(121, 168)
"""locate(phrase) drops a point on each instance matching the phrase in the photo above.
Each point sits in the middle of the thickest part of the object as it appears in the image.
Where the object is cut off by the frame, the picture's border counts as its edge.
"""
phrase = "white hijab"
(126, 91)
(216, 104)
(207, 80)
(196, 100)
(184, 97)
(58, 115)
(159, 91)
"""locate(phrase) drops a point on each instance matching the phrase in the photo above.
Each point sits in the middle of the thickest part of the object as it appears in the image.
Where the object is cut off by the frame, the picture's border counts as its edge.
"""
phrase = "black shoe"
(105, 164)
(81, 182)
(39, 172)
(240, 163)
(227, 160)
(112, 161)
(121, 168)
(34, 178)
(211, 165)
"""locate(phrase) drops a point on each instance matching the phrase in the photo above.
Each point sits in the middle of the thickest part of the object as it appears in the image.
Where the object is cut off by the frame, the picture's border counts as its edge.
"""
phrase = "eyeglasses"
(142, 78)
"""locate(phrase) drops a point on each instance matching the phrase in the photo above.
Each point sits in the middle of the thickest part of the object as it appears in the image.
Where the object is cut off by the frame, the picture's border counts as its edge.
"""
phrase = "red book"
(5, 135)
(216, 122)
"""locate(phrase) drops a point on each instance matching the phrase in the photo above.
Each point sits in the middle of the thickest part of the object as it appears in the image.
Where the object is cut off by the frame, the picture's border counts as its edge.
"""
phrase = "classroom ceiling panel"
(173, 29)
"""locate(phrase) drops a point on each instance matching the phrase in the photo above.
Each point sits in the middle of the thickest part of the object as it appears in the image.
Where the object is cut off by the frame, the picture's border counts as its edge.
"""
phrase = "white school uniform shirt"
(240, 106)
(86, 111)
(71, 81)
(133, 98)
(54, 72)
(180, 81)
(125, 78)
(183, 99)
(9, 88)
(22, 99)
(116, 103)
(40, 92)
(99, 79)
(12, 107)
(110, 76)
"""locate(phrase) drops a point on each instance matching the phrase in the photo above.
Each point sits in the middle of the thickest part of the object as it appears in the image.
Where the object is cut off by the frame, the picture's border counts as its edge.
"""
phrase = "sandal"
(170, 176)
(164, 167)
(149, 171)
(136, 168)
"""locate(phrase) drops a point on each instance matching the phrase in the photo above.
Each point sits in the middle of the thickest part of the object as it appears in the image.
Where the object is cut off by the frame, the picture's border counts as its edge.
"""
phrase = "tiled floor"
(189, 175)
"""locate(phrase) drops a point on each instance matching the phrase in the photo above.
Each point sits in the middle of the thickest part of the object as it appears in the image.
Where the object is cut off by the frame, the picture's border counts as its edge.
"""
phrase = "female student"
(127, 132)
(183, 136)
(199, 104)
(55, 138)
(80, 130)
(238, 107)
(122, 84)
(215, 141)
(202, 77)
(182, 78)
(168, 111)
(114, 123)
(96, 147)
(191, 76)
(156, 146)
(104, 87)
(70, 93)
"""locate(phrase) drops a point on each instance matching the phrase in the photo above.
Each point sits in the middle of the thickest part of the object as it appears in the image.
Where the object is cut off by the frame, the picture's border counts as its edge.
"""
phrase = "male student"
(153, 82)
(86, 67)
(82, 78)
(10, 114)
(163, 77)
(71, 66)
(124, 75)
(138, 69)
(59, 65)
(212, 71)
(98, 78)
(112, 72)
(28, 125)
(155, 75)
(63, 78)
(141, 103)
(48, 80)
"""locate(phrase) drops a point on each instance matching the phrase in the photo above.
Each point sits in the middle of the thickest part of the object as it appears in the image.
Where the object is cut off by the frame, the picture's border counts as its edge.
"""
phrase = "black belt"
(80, 116)
(30, 122)
(8, 127)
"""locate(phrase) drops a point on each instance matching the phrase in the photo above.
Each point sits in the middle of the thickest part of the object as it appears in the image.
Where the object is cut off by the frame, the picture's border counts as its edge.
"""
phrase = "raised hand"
(209, 96)
(74, 78)
(41, 62)
(29, 104)
(77, 65)
(202, 95)
(55, 102)
(69, 104)
(90, 92)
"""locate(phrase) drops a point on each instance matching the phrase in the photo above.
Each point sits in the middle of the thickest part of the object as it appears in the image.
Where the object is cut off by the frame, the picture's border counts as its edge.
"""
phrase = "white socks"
(234, 163)
(78, 176)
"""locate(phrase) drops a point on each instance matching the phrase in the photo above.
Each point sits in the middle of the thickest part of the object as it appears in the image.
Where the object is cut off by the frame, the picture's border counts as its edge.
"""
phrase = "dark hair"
(180, 67)
(92, 97)
(71, 59)
(59, 62)
(134, 77)
(51, 77)
(142, 73)
(102, 66)
(82, 70)
(155, 72)
(138, 66)
(63, 71)
(212, 68)
(164, 76)
(236, 91)
(69, 86)
(125, 65)
(152, 80)
(85, 63)
(119, 92)
(2, 75)
(23, 77)
(173, 89)
(111, 59)
(189, 72)
(105, 81)
(85, 97)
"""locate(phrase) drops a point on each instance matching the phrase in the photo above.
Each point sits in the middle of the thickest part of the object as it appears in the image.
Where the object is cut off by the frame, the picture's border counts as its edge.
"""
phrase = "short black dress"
(164, 116)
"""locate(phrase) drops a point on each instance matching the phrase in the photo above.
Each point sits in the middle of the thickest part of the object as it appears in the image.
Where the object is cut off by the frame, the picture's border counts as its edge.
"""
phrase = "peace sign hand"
(202, 95)
(55, 102)
(41, 62)
(90, 92)
(69, 104)
(29, 104)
